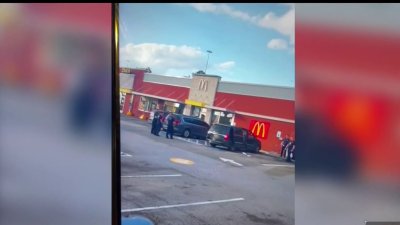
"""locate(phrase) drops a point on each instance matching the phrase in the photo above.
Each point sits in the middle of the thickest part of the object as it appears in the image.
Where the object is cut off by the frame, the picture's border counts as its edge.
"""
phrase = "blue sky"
(251, 43)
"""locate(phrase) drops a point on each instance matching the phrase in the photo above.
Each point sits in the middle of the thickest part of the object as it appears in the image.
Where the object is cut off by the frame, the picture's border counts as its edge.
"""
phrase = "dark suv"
(234, 138)
(188, 126)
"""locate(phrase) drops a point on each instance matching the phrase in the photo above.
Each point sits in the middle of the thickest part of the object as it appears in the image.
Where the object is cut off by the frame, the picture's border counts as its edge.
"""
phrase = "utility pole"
(208, 56)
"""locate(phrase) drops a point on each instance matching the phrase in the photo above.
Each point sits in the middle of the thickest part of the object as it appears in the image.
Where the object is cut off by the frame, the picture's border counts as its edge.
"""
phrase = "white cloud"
(223, 9)
(291, 5)
(162, 58)
(225, 66)
(204, 7)
(283, 24)
(277, 44)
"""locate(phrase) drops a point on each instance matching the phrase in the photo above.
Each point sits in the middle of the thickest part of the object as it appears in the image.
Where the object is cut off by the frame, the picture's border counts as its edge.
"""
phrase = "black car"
(189, 126)
(234, 138)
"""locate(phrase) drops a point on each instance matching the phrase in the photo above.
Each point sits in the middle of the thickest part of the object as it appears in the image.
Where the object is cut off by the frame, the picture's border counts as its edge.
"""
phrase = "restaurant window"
(174, 107)
(203, 114)
(153, 105)
(195, 111)
(221, 117)
(121, 101)
(147, 104)
(131, 102)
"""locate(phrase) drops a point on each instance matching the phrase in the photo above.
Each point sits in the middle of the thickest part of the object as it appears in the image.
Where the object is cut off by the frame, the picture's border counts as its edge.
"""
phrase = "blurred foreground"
(347, 113)
(55, 114)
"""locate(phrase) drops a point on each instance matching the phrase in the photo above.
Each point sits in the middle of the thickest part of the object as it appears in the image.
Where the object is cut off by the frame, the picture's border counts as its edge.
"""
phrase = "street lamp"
(208, 56)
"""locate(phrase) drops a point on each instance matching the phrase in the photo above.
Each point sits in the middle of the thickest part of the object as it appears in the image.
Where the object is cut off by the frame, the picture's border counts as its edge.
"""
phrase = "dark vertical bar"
(116, 178)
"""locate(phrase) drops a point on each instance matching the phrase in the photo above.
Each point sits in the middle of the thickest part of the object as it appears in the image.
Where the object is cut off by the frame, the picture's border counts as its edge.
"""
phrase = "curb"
(274, 155)
(132, 118)
(270, 154)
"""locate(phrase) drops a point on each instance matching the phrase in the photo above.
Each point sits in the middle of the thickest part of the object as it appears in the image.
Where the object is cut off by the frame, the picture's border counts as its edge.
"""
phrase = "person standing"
(170, 126)
(284, 143)
(290, 148)
(231, 139)
(154, 124)
(158, 125)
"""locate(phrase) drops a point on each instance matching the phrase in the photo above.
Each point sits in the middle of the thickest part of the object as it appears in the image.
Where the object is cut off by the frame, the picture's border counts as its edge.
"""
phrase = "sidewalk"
(123, 116)
(272, 154)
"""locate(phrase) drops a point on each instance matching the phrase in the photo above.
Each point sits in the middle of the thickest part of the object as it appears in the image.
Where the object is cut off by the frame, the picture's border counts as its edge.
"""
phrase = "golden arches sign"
(203, 85)
(258, 127)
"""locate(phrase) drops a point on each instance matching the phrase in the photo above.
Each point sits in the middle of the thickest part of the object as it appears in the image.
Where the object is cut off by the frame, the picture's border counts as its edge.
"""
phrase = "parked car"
(156, 113)
(188, 126)
(233, 138)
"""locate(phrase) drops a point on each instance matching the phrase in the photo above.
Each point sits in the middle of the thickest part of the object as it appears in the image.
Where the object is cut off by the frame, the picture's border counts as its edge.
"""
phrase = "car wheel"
(186, 133)
(213, 145)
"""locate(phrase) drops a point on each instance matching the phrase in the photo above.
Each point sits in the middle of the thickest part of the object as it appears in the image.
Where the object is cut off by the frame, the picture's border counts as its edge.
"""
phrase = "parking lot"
(183, 181)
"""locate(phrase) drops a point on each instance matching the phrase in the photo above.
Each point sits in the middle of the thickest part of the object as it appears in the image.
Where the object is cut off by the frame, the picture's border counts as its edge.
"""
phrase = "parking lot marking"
(123, 154)
(182, 205)
(189, 140)
(277, 165)
(152, 175)
(231, 161)
(244, 153)
(181, 161)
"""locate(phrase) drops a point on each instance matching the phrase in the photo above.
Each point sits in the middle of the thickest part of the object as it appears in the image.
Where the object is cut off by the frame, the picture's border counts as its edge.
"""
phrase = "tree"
(200, 72)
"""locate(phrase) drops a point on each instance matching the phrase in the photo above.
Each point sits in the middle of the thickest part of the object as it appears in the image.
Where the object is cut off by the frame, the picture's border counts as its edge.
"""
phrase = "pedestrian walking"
(170, 126)
(284, 143)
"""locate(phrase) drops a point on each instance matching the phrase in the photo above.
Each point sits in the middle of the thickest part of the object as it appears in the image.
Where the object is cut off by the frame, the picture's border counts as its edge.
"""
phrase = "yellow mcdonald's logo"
(258, 126)
(203, 85)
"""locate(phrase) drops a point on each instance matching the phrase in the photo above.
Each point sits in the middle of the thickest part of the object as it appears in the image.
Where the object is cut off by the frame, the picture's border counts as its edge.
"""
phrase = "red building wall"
(166, 91)
(263, 106)
(257, 105)
(135, 108)
(272, 143)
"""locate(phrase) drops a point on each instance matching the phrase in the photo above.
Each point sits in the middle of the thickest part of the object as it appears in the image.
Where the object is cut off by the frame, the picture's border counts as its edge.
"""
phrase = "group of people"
(157, 123)
(288, 145)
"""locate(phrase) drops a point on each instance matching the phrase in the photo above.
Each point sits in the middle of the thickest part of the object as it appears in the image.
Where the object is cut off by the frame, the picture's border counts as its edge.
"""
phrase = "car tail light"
(226, 137)
(177, 122)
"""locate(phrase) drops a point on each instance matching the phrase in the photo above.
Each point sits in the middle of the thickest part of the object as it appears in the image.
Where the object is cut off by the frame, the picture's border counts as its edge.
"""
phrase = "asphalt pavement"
(183, 181)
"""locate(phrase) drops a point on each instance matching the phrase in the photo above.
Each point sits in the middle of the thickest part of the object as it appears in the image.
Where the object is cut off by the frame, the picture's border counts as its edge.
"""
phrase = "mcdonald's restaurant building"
(267, 111)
